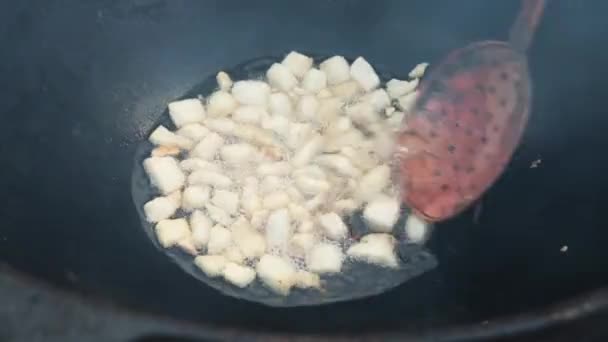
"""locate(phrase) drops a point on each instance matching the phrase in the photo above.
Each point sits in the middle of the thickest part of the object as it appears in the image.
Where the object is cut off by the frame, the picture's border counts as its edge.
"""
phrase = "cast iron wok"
(83, 82)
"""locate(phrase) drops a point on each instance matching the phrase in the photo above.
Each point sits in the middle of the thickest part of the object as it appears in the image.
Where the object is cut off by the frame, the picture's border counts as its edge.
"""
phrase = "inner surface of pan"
(83, 83)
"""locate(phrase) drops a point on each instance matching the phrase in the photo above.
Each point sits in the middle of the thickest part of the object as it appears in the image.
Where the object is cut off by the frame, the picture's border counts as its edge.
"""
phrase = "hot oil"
(357, 279)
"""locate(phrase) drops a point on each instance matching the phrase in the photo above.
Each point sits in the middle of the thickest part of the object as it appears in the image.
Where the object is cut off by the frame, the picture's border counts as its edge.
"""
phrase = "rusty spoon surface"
(466, 123)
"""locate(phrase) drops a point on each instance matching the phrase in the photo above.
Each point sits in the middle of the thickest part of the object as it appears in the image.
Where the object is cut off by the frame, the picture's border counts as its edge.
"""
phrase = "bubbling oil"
(356, 280)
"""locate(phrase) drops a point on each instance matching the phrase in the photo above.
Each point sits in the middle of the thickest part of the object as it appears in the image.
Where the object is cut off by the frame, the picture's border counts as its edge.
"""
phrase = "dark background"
(82, 82)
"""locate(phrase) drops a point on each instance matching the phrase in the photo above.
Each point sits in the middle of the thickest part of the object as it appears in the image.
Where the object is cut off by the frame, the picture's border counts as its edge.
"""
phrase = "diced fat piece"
(251, 92)
(339, 164)
(307, 280)
(255, 134)
(418, 70)
(220, 238)
(159, 209)
(275, 200)
(280, 104)
(360, 157)
(378, 99)
(339, 186)
(274, 169)
(351, 187)
(395, 121)
(221, 103)
(333, 226)
(307, 151)
(294, 194)
(195, 197)
(271, 184)
(316, 202)
(170, 232)
(307, 108)
(280, 77)
(416, 230)
(224, 126)
(195, 164)
(278, 124)
(165, 173)
(339, 125)
(301, 243)
(218, 215)
(176, 198)
(193, 131)
(234, 254)
(250, 199)
(237, 154)
(313, 171)
(164, 151)
(381, 213)
(311, 186)
(273, 153)
(211, 265)
(298, 133)
(324, 94)
(324, 258)
(388, 111)
(297, 212)
(397, 88)
(376, 128)
(276, 273)
(384, 143)
(212, 178)
(352, 138)
(161, 136)
(329, 110)
(306, 226)
(297, 63)
(186, 111)
(200, 225)
(278, 229)
(314, 80)
(258, 219)
(362, 72)
(337, 69)
(346, 206)
(376, 249)
(187, 245)
(373, 182)
(238, 275)
(406, 102)
(223, 81)
(249, 114)
(226, 200)
(362, 113)
(249, 241)
(347, 90)
(208, 147)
